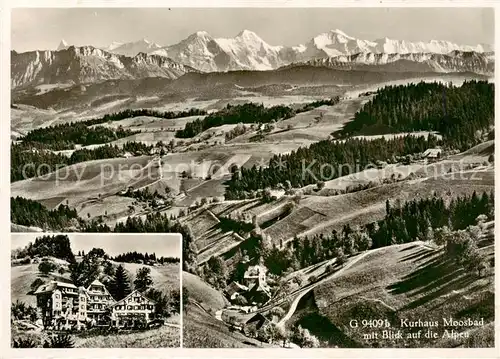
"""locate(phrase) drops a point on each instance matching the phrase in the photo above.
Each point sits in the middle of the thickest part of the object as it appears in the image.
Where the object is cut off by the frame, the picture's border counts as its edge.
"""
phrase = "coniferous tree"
(120, 286)
(143, 279)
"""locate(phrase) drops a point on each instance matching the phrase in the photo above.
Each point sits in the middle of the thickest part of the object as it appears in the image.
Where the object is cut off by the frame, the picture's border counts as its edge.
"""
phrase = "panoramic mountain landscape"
(334, 193)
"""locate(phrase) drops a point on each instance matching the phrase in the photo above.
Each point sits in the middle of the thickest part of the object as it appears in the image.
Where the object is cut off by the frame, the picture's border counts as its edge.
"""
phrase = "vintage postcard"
(79, 290)
(330, 170)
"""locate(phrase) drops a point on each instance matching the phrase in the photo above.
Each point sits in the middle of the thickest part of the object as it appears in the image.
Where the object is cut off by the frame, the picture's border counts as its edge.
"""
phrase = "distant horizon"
(163, 245)
(100, 27)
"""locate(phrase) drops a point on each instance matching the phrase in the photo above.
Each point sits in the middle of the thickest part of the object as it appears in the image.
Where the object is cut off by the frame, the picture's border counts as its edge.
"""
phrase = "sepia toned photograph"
(330, 170)
(95, 290)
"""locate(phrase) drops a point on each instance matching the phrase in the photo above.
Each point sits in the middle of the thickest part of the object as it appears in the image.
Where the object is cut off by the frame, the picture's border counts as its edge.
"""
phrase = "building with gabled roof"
(98, 300)
(61, 305)
(235, 289)
(134, 308)
(253, 324)
(432, 154)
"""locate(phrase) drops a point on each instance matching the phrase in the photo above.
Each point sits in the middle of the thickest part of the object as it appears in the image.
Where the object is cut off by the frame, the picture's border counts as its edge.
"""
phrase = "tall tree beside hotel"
(143, 279)
(120, 285)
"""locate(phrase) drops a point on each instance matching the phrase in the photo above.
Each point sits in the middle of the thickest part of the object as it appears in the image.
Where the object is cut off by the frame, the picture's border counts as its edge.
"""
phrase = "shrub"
(46, 267)
(23, 343)
(60, 341)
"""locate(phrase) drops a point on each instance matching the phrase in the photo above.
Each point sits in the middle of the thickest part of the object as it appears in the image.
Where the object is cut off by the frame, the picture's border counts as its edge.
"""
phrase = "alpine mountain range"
(200, 52)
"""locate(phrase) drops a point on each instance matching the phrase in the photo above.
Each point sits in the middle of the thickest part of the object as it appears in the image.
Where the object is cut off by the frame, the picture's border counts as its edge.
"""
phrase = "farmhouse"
(62, 305)
(254, 275)
(254, 323)
(432, 154)
(132, 309)
(234, 290)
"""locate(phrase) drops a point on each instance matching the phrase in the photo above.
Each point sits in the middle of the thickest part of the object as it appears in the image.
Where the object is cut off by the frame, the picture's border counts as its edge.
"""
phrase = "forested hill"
(248, 113)
(325, 160)
(461, 114)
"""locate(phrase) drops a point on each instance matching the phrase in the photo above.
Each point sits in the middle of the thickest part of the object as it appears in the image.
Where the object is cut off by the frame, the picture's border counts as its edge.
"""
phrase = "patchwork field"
(89, 180)
(316, 214)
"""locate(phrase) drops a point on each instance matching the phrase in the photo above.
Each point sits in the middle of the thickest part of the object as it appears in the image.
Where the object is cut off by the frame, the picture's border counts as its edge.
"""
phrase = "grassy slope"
(201, 329)
(164, 337)
(205, 295)
(397, 282)
(88, 179)
(165, 278)
(21, 279)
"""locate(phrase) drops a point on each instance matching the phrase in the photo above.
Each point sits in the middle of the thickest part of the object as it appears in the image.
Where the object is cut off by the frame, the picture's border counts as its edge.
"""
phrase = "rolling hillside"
(201, 328)
(399, 282)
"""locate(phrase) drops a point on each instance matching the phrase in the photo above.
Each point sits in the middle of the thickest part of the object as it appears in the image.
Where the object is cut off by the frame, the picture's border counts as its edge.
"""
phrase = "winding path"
(293, 306)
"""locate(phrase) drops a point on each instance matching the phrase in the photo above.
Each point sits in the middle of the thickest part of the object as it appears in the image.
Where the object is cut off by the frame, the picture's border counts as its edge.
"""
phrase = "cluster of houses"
(253, 288)
(65, 306)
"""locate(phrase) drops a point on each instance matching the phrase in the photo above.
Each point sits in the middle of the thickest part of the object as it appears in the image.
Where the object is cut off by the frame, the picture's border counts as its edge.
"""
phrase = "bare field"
(310, 126)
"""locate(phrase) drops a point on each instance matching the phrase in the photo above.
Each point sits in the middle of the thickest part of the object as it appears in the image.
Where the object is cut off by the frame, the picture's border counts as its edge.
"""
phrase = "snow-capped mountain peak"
(247, 34)
(133, 48)
(113, 45)
(63, 45)
(248, 51)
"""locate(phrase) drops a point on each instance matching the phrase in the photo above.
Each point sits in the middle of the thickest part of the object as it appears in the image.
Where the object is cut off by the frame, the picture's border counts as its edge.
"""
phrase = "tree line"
(332, 159)
(44, 161)
(247, 113)
(136, 257)
(57, 246)
(416, 219)
(121, 115)
(27, 212)
(462, 114)
(66, 136)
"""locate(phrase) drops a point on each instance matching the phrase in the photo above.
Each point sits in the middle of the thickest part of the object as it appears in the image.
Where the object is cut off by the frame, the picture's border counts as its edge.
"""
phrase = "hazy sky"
(166, 245)
(44, 28)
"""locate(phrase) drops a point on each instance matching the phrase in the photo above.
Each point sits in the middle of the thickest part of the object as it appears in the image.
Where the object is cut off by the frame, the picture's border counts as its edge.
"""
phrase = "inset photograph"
(95, 290)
